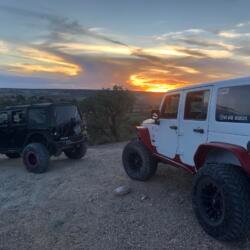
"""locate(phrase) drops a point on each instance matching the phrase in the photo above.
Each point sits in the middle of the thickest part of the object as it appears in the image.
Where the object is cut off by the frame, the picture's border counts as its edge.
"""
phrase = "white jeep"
(204, 129)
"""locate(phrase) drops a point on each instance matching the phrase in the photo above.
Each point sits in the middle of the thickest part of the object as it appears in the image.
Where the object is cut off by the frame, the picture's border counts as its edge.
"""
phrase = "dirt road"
(73, 207)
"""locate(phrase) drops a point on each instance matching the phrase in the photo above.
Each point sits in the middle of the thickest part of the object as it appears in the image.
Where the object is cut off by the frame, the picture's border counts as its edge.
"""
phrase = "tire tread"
(235, 184)
(149, 162)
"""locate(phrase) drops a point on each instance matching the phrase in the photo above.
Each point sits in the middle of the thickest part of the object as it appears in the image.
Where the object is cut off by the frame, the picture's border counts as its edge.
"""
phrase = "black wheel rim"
(32, 160)
(135, 161)
(211, 202)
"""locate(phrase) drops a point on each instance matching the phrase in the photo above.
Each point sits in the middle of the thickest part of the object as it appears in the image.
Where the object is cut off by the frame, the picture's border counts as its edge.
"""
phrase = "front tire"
(138, 162)
(36, 158)
(221, 201)
(76, 152)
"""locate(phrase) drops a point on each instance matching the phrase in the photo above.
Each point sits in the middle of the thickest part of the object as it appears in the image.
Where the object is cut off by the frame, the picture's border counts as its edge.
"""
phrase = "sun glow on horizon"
(140, 82)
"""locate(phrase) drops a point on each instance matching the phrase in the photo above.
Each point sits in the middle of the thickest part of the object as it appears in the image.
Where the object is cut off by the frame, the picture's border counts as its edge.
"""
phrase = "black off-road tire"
(138, 161)
(76, 152)
(13, 155)
(36, 158)
(232, 222)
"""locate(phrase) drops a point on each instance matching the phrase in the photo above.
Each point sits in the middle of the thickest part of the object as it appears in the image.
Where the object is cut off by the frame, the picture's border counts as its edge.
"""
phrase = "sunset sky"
(142, 45)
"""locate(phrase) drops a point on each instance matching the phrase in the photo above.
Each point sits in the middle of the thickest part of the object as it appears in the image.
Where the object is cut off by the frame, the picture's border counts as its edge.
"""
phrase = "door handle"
(199, 130)
(173, 127)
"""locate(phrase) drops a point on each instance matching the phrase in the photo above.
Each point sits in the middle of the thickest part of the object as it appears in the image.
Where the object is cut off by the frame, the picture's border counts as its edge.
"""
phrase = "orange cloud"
(144, 82)
(29, 60)
(69, 70)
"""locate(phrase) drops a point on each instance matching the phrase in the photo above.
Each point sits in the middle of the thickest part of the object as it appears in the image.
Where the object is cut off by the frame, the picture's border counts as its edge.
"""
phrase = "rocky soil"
(74, 206)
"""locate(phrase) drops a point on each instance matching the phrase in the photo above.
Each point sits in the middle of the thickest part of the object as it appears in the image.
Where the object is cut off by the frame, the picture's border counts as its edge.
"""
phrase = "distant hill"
(144, 100)
(62, 93)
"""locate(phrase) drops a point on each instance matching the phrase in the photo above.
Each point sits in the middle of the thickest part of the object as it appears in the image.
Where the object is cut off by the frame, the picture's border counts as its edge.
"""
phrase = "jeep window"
(65, 114)
(233, 104)
(170, 107)
(38, 117)
(3, 119)
(196, 105)
(18, 117)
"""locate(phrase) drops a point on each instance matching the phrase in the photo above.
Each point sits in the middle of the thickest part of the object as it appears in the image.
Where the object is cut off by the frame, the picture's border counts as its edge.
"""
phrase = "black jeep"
(39, 131)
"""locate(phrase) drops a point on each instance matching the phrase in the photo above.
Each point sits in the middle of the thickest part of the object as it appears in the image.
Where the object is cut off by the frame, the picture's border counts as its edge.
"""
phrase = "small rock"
(58, 224)
(144, 197)
(91, 199)
(181, 201)
(122, 190)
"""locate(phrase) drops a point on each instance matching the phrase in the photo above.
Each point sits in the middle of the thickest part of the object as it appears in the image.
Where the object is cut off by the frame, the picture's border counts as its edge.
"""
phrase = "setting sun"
(143, 83)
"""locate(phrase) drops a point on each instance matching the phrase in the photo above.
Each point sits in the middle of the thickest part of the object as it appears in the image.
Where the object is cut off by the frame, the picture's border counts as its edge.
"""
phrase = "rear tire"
(221, 201)
(138, 162)
(13, 155)
(36, 158)
(76, 152)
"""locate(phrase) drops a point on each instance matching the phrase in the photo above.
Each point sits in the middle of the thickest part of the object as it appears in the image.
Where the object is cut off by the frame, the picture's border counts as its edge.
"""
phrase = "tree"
(20, 99)
(107, 113)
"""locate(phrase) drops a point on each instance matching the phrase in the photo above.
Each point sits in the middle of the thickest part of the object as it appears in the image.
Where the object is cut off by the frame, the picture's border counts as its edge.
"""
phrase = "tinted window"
(18, 117)
(196, 105)
(233, 104)
(170, 107)
(38, 117)
(3, 119)
(64, 114)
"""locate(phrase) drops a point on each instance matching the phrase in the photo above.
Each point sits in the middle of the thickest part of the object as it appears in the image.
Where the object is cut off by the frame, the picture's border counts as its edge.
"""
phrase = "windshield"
(65, 114)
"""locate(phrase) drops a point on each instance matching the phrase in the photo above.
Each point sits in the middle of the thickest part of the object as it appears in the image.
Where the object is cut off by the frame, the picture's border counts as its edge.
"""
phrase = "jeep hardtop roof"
(38, 105)
(241, 80)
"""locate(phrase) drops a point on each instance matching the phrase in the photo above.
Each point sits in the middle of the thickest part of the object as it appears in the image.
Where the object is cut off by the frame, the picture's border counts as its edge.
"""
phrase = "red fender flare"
(144, 136)
(239, 152)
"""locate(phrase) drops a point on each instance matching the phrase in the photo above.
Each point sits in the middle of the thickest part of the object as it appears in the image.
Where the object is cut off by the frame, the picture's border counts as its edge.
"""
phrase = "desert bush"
(108, 114)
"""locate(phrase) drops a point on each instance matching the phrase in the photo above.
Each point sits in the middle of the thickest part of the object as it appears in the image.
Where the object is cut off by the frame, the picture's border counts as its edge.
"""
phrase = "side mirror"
(155, 115)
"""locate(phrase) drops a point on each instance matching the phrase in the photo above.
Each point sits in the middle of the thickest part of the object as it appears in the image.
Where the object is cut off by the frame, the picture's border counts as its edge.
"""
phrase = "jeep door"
(4, 130)
(18, 128)
(193, 122)
(167, 135)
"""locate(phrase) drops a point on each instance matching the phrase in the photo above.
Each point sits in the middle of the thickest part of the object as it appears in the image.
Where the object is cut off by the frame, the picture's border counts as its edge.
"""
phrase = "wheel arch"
(36, 138)
(222, 153)
(144, 136)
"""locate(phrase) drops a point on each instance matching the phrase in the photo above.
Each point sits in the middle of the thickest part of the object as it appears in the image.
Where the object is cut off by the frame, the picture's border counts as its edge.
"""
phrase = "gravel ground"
(73, 206)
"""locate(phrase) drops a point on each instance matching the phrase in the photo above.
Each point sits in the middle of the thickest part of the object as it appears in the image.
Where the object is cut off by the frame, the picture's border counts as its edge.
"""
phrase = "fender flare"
(144, 136)
(239, 152)
(42, 135)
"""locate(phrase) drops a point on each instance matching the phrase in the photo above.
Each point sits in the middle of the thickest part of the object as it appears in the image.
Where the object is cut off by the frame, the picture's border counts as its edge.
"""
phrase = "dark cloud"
(191, 52)
(201, 43)
(141, 54)
(243, 51)
(28, 13)
(60, 25)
